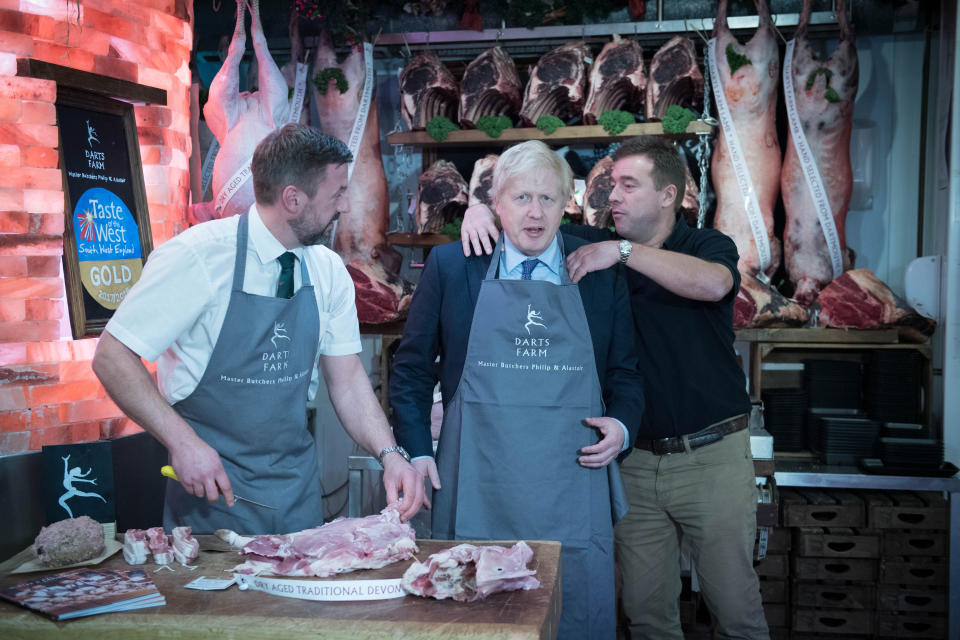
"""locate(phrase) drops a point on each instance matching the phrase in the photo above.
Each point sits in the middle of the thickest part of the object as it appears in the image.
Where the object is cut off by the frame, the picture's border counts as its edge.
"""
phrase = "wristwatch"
(398, 449)
(625, 248)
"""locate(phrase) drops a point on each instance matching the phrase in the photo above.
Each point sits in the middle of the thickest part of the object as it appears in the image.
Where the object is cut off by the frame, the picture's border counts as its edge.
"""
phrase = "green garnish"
(440, 127)
(736, 60)
(549, 123)
(676, 119)
(493, 126)
(322, 80)
(614, 122)
(452, 229)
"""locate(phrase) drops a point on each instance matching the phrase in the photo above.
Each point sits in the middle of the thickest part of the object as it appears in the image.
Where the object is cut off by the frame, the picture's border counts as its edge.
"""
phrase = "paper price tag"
(210, 584)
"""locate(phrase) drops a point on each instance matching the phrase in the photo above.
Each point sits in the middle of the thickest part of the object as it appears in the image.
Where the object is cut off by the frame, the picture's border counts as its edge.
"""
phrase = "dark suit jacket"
(439, 321)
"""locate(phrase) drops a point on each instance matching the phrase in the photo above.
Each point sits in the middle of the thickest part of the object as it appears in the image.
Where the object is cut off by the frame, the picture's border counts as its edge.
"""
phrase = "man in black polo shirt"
(690, 474)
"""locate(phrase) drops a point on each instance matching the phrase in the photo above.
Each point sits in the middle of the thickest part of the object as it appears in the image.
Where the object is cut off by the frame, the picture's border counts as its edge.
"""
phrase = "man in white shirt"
(236, 312)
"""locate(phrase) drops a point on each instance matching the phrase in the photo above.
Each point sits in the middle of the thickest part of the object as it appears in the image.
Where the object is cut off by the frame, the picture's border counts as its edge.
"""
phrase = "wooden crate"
(926, 572)
(912, 599)
(915, 543)
(774, 591)
(833, 621)
(834, 569)
(833, 596)
(773, 566)
(911, 626)
(906, 510)
(835, 543)
(813, 508)
(777, 615)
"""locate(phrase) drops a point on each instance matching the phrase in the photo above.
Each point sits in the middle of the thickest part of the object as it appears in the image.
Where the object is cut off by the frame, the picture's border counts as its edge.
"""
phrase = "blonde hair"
(527, 157)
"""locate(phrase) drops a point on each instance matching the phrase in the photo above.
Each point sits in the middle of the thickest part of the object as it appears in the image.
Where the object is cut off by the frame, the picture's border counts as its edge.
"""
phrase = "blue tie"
(528, 267)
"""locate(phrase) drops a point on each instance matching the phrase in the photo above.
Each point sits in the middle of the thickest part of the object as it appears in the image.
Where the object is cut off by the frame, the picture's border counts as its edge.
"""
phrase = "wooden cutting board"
(252, 614)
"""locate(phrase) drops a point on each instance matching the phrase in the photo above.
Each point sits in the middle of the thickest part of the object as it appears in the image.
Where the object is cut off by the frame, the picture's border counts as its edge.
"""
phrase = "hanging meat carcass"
(675, 78)
(859, 300)
(748, 76)
(557, 84)
(490, 87)
(240, 120)
(824, 92)
(427, 90)
(617, 81)
(441, 196)
(481, 181)
(596, 197)
(362, 234)
(298, 56)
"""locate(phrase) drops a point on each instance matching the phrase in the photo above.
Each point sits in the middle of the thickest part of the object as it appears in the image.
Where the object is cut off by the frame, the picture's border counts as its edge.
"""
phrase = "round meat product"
(69, 541)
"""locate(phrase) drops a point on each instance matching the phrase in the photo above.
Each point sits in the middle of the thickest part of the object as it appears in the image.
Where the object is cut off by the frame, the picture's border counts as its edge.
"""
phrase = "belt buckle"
(658, 446)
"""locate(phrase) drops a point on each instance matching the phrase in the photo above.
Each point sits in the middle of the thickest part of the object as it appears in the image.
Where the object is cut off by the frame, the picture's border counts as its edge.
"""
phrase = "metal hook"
(776, 29)
(406, 45)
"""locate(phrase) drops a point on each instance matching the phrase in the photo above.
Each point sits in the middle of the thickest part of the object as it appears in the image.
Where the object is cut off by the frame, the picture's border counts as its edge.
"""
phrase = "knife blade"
(167, 470)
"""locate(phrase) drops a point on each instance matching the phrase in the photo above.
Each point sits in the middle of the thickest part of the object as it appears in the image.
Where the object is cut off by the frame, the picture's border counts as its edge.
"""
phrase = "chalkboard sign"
(107, 232)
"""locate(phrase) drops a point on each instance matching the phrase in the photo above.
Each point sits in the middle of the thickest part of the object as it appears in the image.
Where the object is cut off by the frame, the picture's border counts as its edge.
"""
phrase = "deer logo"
(279, 333)
(532, 318)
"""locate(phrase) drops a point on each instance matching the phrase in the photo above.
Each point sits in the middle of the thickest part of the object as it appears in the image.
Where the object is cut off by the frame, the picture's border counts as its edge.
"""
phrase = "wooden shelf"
(564, 135)
(820, 335)
(418, 239)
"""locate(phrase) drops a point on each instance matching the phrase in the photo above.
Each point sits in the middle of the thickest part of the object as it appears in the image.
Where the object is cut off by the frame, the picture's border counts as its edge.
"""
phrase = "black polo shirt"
(692, 377)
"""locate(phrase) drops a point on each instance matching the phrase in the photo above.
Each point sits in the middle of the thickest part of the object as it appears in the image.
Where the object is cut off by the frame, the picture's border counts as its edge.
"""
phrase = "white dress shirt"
(174, 313)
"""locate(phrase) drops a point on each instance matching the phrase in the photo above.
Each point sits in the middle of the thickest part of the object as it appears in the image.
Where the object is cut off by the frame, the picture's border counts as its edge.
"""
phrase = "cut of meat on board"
(467, 572)
(596, 203)
(749, 78)
(135, 549)
(675, 78)
(441, 196)
(159, 545)
(825, 93)
(557, 85)
(760, 305)
(362, 233)
(344, 545)
(427, 90)
(490, 87)
(860, 300)
(481, 181)
(617, 81)
(185, 546)
(68, 541)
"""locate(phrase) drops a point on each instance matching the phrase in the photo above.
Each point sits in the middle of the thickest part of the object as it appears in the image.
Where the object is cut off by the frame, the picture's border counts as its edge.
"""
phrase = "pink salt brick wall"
(48, 392)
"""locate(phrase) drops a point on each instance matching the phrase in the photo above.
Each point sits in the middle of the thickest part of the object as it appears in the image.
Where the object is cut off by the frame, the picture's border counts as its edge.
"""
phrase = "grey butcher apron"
(507, 455)
(250, 406)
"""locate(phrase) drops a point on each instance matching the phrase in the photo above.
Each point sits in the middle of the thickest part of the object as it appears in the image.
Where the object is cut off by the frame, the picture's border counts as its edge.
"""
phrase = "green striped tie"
(285, 284)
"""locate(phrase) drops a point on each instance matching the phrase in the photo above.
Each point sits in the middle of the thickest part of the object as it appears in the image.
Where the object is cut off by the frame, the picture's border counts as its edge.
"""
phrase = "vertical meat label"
(108, 246)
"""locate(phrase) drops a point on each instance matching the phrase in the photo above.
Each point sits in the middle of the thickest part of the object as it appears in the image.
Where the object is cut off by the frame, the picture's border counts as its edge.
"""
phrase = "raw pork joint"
(617, 81)
(468, 573)
(557, 85)
(340, 546)
(441, 196)
(825, 91)
(185, 546)
(859, 300)
(675, 78)
(490, 87)
(240, 120)
(382, 296)
(135, 546)
(750, 88)
(427, 90)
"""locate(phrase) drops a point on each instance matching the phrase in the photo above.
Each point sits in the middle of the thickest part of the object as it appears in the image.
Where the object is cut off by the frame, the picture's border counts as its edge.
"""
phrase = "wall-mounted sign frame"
(107, 234)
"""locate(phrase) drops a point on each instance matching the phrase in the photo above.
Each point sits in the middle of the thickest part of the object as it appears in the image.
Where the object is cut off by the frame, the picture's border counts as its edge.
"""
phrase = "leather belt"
(702, 438)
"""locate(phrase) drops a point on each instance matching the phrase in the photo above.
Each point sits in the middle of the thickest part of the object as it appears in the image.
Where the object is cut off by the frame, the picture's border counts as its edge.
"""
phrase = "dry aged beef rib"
(825, 91)
(340, 546)
(427, 90)
(467, 573)
(490, 87)
(557, 84)
(441, 196)
(617, 81)
(481, 181)
(760, 305)
(596, 203)
(675, 78)
(860, 300)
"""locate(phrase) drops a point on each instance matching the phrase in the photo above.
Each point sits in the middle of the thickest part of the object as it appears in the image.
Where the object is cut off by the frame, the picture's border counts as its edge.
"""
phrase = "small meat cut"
(557, 84)
(135, 549)
(596, 197)
(759, 305)
(490, 87)
(675, 78)
(617, 81)
(467, 572)
(860, 300)
(481, 181)
(69, 541)
(441, 196)
(185, 546)
(427, 90)
(340, 546)
(159, 544)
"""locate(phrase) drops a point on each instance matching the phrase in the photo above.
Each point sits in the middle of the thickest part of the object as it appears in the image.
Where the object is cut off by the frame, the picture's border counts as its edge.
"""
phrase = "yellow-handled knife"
(167, 470)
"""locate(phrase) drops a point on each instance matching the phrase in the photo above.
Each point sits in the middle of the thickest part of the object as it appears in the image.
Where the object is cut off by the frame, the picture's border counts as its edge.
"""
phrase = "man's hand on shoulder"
(592, 257)
(479, 230)
(399, 476)
(200, 471)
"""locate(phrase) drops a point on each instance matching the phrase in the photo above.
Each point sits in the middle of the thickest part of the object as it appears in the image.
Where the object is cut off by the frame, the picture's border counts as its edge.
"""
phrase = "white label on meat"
(236, 181)
(740, 169)
(299, 91)
(206, 172)
(324, 590)
(809, 165)
(361, 120)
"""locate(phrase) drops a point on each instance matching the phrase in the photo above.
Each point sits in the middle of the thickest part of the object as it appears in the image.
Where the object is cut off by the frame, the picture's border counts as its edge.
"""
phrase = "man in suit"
(533, 370)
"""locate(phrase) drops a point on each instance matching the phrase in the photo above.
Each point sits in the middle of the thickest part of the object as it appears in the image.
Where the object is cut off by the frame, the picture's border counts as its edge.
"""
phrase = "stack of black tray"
(916, 452)
(892, 386)
(845, 439)
(783, 415)
(832, 384)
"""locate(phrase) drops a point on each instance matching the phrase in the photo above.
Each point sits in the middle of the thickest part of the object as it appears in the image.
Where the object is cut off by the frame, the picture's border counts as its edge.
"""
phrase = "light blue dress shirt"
(511, 263)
